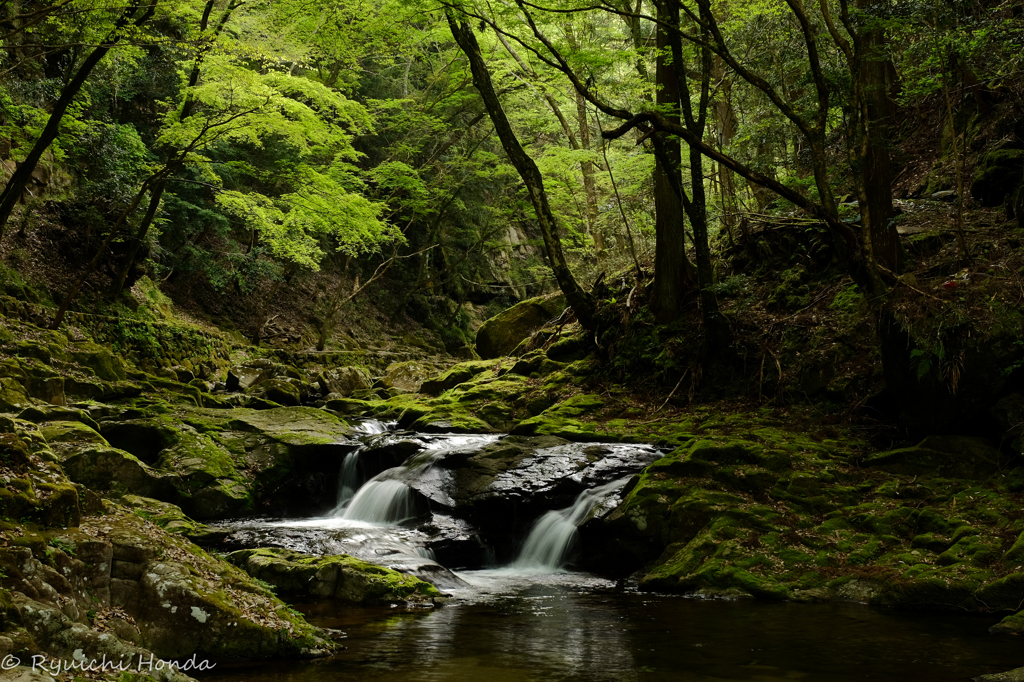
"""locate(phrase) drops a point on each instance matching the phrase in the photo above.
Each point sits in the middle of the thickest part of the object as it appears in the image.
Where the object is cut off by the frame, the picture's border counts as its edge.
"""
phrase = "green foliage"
(731, 286)
(64, 545)
(925, 361)
(114, 159)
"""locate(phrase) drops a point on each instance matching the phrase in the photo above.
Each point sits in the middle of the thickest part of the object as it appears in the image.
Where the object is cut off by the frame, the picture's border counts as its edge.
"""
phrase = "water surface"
(524, 627)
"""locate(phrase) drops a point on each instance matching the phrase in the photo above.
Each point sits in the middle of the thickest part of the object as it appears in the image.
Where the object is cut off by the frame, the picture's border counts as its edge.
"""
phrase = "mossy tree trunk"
(582, 304)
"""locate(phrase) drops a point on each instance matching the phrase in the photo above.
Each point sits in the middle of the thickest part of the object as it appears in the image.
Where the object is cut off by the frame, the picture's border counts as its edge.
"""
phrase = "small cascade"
(373, 427)
(552, 536)
(384, 502)
(348, 476)
(385, 499)
(348, 479)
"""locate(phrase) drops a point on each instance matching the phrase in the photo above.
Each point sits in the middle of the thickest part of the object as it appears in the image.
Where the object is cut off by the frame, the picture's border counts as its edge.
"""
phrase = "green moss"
(340, 576)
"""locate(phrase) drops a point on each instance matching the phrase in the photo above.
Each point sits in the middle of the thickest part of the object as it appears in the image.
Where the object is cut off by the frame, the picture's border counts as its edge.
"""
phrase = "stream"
(520, 614)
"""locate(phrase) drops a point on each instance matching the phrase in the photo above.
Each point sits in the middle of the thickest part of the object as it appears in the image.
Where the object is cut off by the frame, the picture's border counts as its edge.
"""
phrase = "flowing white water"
(374, 427)
(385, 499)
(381, 501)
(551, 539)
(348, 476)
(348, 479)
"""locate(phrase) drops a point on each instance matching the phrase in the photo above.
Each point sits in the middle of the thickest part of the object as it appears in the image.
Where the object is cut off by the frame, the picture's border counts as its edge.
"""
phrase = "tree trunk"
(673, 273)
(581, 303)
(589, 186)
(16, 185)
(140, 237)
(875, 173)
(726, 125)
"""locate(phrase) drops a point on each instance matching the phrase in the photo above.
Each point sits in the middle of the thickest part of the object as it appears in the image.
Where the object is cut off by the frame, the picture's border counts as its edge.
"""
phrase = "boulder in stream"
(339, 576)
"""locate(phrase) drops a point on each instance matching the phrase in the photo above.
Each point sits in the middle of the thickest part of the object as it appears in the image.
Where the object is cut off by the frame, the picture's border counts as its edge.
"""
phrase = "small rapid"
(553, 536)
(427, 503)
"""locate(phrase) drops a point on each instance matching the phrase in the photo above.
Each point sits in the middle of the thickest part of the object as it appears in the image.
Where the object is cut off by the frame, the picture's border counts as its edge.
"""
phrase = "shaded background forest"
(317, 175)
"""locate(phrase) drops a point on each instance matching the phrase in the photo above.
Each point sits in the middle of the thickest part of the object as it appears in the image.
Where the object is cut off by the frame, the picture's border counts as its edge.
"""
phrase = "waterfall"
(348, 476)
(374, 427)
(385, 502)
(385, 499)
(348, 479)
(552, 536)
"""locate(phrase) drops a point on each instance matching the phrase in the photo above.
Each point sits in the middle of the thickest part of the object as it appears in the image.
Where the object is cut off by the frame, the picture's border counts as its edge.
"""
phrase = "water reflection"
(562, 627)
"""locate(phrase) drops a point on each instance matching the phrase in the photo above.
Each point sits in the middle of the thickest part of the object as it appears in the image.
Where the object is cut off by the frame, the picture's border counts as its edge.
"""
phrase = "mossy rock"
(72, 432)
(106, 468)
(1011, 625)
(459, 374)
(13, 396)
(349, 407)
(279, 391)
(36, 489)
(1006, 593)
(408, 376)
(1015, 555)
(500, 335)
(99, 360)
(344, 380)
(339, 576)
(997, 175)
(1015, 675)
(569, 419)
(292, 425)
(570, 349)
(165, 515)
(536, 364)
(40, 414)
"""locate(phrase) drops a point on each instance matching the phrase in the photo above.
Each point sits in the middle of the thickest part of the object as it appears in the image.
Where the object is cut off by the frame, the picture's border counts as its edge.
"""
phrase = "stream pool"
(523, 627)
(534, 621)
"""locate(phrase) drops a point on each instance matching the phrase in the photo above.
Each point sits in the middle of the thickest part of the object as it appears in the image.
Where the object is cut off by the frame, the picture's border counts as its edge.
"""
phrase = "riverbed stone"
(1015, 675)
(344, 380)
(339, 576)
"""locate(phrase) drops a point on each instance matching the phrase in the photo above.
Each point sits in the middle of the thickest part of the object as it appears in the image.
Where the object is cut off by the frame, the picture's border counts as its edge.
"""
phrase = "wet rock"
(501, 486)
(1015, 675)
(502, 333)
(377, 546)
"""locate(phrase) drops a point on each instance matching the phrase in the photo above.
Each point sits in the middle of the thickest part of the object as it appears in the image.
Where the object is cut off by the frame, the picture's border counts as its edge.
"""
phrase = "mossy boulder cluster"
(86, 575)
(99, 459)
(772, 513)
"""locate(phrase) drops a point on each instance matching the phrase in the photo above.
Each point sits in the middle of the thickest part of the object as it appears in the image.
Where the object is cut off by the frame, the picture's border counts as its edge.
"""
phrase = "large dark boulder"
(997, 176)
(502, 333)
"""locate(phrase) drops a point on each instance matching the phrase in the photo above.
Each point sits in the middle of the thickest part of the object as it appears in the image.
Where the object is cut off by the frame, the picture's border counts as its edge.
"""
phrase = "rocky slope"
(92, 566)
